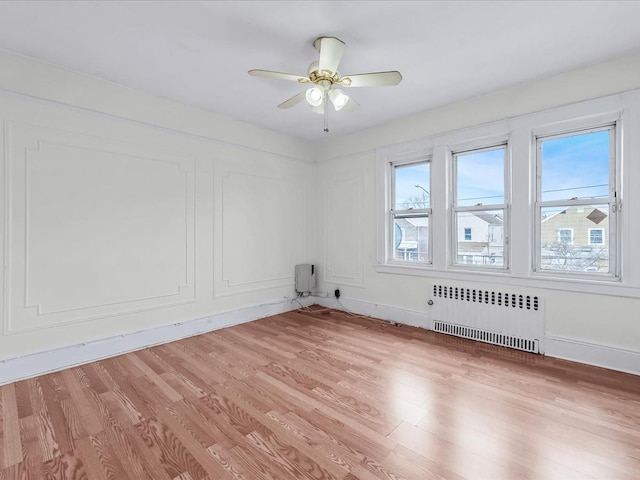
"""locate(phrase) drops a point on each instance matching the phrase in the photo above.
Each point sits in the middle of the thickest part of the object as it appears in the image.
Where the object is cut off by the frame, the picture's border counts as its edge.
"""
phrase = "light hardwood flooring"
(322, 396)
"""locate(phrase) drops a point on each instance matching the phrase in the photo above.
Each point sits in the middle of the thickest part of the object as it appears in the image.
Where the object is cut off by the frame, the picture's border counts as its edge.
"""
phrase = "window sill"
(600, 286)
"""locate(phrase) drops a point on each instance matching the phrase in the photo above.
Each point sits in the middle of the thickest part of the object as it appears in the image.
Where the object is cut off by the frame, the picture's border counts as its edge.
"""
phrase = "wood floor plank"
(49, 447)
(86, 412)
(108, 458)
(174, 456)
(66, 467)
(11, 442)
(326, 395)
(193, 446)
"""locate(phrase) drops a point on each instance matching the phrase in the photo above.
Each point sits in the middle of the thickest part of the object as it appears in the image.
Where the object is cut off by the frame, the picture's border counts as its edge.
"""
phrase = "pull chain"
(326, 112)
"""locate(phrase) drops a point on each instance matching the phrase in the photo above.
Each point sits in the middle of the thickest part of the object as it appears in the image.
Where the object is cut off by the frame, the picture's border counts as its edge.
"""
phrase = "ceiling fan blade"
(378, 79)
(278, 75)
(319, 109)
(350, 106)
(296, 99)
(331, 50)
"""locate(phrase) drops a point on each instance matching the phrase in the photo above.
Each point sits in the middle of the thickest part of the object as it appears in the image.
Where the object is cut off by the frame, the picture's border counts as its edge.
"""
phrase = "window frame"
(392, 214)
(455, 209)
(614, 127)
(520, 131)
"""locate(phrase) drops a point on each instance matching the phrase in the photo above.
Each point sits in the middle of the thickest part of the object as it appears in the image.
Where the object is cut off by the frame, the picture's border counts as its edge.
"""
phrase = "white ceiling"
(199, 53)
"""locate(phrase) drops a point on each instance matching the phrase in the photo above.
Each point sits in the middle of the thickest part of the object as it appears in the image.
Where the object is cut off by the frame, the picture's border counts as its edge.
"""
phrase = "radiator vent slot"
(500, 299)
(501, 318)
(487, 337)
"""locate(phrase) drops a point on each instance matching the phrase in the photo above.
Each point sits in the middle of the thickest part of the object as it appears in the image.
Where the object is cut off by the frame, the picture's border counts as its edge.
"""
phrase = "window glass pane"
(576, 166)
(480, 177)
(565, 235)
(411, 238)
(565, 238)
(480, 238)
(412, 186)
(596, 236)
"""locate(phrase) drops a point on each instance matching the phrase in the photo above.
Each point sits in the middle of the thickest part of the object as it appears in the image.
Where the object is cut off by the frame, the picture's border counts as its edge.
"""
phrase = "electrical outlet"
(337, 293)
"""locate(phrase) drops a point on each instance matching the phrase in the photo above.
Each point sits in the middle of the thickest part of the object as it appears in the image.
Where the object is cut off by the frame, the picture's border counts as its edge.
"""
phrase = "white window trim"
(589, 236)
(521, 132)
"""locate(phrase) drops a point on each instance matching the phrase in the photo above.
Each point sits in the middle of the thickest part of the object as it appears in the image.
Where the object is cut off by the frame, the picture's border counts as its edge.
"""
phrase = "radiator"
(507, 319)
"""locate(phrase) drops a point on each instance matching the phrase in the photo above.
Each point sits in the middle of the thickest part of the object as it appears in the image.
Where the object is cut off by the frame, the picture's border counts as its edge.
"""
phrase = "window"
(532, 200)
(479, 207)
(565, 235)
(576, 202)
(596, 236)
(409, 212)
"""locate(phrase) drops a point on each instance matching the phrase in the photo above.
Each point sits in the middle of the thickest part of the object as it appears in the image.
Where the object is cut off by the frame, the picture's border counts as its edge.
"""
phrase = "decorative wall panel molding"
(343, 199)
(259, 230)
(95, 227)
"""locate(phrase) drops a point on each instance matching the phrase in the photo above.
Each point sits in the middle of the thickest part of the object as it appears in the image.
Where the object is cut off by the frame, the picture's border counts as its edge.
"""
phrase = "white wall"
(593, 328)
(122, 213)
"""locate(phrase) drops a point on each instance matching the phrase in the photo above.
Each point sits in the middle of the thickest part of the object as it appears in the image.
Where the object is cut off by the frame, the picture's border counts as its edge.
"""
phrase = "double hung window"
(480, 207)
(576, 202)
(409, 212)
(532, 199)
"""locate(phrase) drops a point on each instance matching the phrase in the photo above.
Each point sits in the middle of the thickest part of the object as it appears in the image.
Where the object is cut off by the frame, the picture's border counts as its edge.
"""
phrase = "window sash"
(492, 251)
(421, 258)
(610, 202)
(417, 256)
(455, 258)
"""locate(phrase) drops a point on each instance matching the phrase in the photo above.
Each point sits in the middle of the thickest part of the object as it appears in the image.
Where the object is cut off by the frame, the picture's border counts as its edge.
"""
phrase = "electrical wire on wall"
(344, 310)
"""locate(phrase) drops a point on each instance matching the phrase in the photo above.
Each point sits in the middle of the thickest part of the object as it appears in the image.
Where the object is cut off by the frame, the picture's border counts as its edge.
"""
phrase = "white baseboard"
(376, 310)
(613, 358)
(593, 354)
(31, 365)
(39, 363)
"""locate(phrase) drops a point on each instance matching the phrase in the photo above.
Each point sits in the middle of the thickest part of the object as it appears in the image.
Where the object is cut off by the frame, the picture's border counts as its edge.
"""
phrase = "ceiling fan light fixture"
(324, 78)
(314, 96)
(338, 98)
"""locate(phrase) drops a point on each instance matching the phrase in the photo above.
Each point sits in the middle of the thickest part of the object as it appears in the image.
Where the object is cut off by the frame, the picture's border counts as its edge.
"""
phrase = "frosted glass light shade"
(338, 98)
(314, 96)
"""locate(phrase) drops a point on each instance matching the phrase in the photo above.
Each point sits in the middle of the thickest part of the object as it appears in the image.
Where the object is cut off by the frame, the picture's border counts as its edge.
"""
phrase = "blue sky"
(572, 166)
(406, 180)
(576, 166)
(480, 177)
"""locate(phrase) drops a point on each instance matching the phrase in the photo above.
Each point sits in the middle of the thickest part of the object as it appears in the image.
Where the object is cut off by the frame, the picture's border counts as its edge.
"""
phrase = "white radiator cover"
(508, 319)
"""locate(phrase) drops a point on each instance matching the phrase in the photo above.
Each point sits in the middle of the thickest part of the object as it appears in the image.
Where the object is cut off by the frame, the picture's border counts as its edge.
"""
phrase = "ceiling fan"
(324, 80)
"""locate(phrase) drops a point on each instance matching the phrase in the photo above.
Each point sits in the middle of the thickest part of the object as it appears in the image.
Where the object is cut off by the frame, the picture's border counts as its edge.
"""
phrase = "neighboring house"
(411, 239)
(576, 238)
(480, 239)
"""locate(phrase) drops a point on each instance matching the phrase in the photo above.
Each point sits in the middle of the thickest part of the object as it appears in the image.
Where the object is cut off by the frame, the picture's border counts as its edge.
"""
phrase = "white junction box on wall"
(305, 278)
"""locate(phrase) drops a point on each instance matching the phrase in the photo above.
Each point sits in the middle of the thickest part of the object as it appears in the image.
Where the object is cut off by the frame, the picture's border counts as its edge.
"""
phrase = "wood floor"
(322, 396)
